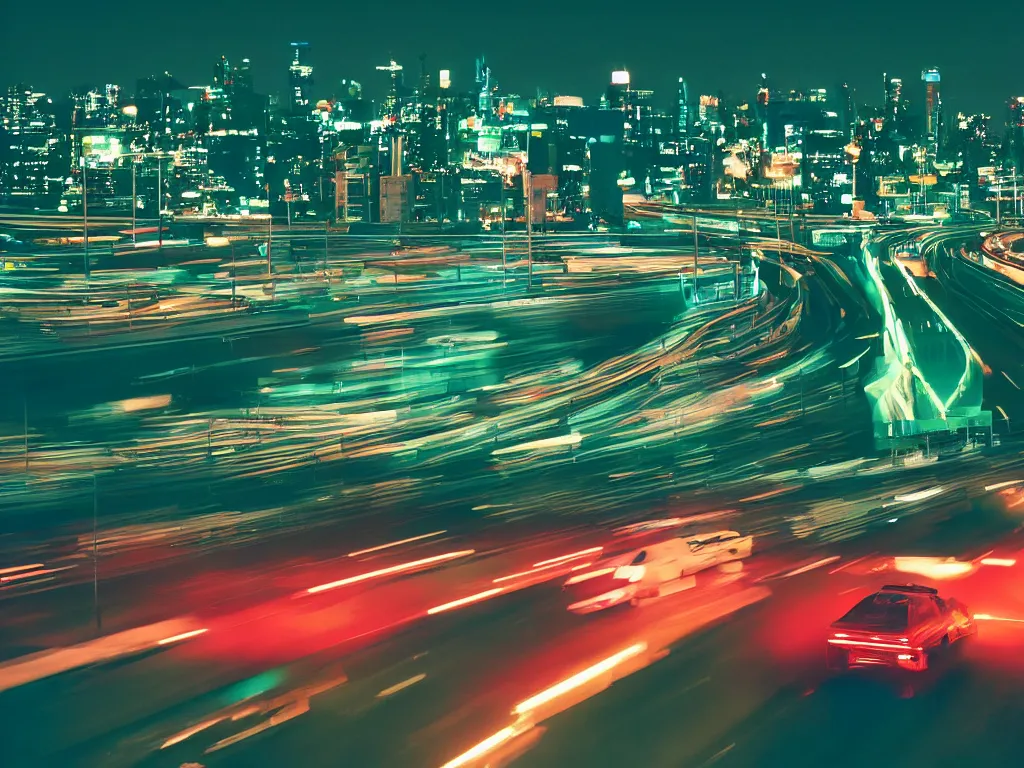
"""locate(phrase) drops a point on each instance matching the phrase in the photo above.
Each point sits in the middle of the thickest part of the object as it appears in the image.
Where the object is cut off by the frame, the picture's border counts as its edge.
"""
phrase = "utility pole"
(134, 200)
(159, 202)
(529, 227)
(85, 222)
(695, 258)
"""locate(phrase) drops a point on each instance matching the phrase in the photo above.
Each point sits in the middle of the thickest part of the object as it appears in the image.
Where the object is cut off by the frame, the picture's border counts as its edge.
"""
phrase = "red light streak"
(869, 644)
(465, 601)
(580, 678)
(392, 570)
(587, 576)
(572, 556)
(395, 544)
(535, 570)
(182, 636)
(812, 566)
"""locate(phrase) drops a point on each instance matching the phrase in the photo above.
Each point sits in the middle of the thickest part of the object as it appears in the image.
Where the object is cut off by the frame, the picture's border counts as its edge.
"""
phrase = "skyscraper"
(392, 104)
(682, 111)
(222, 74)
(28, 143)
(932, 105)
(893, 96)
(300, 77)
(241, 77)
(1014, 144)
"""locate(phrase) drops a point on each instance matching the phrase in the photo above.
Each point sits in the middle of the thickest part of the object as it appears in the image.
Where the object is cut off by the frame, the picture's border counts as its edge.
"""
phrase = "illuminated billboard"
(445, 79)
(488, 141)
(101, 149)
(568, 101)
(931, 76)
(620, 77)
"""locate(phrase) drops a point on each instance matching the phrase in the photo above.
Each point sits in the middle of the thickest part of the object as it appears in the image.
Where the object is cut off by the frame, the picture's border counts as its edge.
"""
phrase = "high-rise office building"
(300, 77)
(28, 145)
(485, 90)
(682, 111)
(223, 75)
(392, 102)
(847, 109)
(241, 77)
(761, 112)
(932, 105)
(1014, 144)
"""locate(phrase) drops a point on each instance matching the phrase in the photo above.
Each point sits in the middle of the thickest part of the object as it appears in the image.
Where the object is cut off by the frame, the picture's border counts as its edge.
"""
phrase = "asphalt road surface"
(728, 671)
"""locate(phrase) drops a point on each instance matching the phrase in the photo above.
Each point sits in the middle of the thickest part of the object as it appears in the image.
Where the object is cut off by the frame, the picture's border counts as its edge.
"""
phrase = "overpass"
(928, 379)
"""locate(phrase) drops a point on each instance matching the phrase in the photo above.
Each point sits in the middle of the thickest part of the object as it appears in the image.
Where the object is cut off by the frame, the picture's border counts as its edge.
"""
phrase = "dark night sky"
(567, 47)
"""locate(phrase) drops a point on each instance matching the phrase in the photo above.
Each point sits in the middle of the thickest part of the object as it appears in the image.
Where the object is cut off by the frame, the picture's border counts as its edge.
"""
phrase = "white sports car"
(655, 569)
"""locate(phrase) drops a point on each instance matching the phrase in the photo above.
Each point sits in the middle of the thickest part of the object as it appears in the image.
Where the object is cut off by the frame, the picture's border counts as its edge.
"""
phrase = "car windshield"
(881, 611)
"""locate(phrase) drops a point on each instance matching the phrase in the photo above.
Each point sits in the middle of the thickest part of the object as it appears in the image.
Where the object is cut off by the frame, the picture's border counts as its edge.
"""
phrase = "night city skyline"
(523, 384)
(567, 50)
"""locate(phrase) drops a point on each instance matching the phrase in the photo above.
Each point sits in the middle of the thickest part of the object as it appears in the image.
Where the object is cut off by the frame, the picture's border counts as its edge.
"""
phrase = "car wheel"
(939, 655)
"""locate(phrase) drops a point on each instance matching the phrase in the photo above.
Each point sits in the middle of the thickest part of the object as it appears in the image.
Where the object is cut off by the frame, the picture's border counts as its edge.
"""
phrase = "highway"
(326, 519)
(298, 679)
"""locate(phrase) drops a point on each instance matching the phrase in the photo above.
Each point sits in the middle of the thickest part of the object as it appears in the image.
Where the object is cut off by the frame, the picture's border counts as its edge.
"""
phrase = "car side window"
(641, 556)
(926, 609)
(940, 604)
(696, 545)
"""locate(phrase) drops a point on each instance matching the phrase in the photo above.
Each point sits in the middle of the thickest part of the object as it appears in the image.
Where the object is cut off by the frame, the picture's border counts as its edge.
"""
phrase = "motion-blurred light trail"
(1007, 484)
(465, 601)
(812, 566)
(16, 568)
(919, 495)
(588, 576)
(182, 636)
(989, 617)
(932, 567)
(489, 744)
(579, 679)
(395, 544)
(1004, 562)
(401, 686)
(411, 566)
(539, 570)
(571, 556)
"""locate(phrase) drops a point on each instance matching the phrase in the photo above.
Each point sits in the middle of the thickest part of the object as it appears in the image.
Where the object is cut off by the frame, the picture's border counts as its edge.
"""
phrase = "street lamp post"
(853, 150)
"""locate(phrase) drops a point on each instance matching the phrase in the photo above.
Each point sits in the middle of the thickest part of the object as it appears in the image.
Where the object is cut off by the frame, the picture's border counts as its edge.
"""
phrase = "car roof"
(916, 589)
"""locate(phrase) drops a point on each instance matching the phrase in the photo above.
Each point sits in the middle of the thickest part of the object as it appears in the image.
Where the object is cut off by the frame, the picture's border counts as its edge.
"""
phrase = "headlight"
(632, 573)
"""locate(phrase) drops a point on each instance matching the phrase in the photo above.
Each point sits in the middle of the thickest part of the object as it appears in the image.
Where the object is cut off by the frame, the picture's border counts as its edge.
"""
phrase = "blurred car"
(899, 627)
(655, 569)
